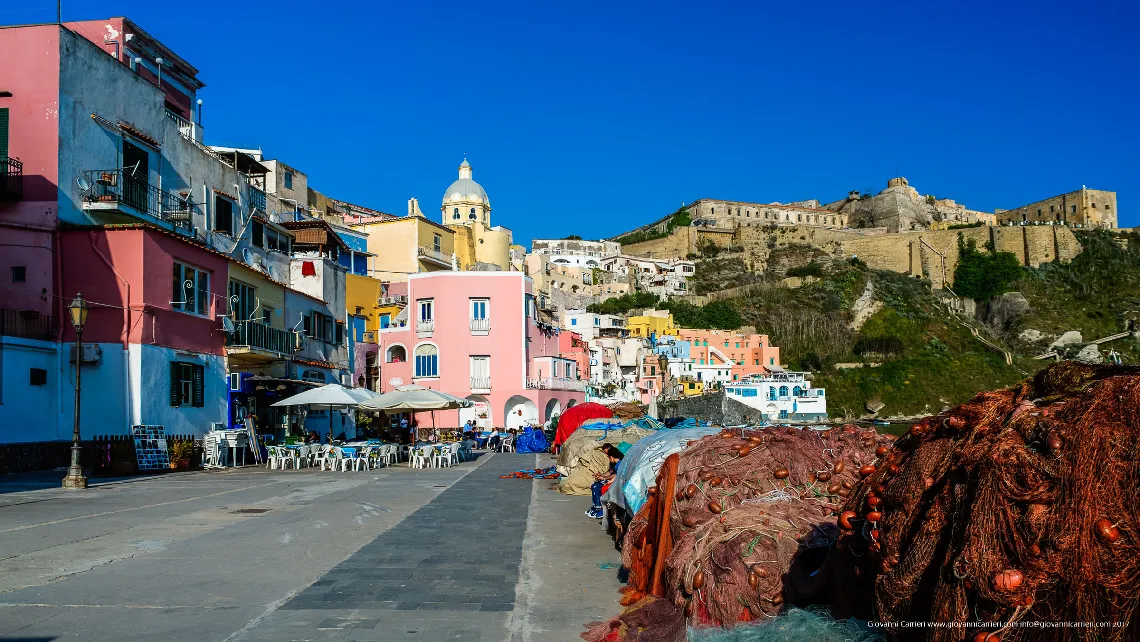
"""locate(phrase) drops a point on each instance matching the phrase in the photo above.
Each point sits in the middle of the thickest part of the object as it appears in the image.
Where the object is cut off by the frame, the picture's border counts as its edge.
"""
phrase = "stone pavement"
(251, 554)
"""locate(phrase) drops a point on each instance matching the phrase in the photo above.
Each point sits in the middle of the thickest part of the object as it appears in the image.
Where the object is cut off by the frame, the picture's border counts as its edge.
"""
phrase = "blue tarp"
(639, 468)
(531, 440)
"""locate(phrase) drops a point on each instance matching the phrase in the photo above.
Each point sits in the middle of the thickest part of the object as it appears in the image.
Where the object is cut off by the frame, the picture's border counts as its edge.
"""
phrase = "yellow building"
(407, 245)
(466, 209)
(692, 387)
(657, 322)
(361, 297)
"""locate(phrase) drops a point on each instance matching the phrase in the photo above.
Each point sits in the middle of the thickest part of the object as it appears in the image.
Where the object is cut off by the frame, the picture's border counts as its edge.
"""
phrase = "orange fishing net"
(1018, 506)
(740, 521)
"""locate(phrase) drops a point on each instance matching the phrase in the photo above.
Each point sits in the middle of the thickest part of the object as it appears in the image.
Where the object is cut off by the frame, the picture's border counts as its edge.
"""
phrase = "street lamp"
(78, 310)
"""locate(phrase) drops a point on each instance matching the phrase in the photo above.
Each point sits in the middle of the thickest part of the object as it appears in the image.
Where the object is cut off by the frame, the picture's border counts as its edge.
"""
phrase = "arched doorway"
(520, 411)
(480, 413)
(553, 409)
(571, 403)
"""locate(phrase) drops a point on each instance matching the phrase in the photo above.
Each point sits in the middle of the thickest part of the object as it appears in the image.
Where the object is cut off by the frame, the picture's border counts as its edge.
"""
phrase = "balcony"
(480, 325)
(11, 180)
(433, 255)
(256, 199)
(27, 324)
(395, 299)
(258, 339)
(556, 383)
(189, 130)
(480, 384)
(116, 190)
(425, 326)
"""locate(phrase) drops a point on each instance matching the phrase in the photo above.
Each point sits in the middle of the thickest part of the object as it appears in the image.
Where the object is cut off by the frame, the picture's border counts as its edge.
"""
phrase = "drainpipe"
(58, 315)
(130, 414)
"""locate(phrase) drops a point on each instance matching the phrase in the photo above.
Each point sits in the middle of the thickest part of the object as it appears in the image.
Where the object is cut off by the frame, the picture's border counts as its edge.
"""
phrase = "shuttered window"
(3, 132)
(187, 384)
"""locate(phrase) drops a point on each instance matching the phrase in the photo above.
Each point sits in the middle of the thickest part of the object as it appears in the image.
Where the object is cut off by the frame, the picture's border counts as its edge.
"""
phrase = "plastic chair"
(300, 456)
(420, 458)
(453, 452)
(390, 454)
(271, 460)
(405, 452)
(508, 445)
(363, 459)
(441, 456)
(319, 455)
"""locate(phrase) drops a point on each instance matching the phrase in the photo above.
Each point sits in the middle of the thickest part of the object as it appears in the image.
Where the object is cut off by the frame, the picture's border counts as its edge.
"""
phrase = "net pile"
(749, 518)
(580, 458)
(626, 410)
(1018, 506)
(645, 619)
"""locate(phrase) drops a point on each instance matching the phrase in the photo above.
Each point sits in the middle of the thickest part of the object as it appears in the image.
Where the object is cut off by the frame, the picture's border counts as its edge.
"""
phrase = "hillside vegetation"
(872, 336)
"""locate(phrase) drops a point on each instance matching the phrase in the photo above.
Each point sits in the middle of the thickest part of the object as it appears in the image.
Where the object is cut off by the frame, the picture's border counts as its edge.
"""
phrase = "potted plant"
(180, 453)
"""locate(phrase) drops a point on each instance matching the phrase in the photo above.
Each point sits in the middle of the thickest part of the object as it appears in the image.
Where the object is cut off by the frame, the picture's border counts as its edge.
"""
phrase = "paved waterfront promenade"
(393, 554)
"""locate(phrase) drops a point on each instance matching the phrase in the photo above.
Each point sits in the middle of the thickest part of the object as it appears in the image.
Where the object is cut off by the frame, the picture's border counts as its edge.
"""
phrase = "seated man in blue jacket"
(603, 480)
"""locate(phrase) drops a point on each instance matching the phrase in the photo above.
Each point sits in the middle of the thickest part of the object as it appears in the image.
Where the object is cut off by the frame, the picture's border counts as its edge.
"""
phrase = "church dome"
(466, 190)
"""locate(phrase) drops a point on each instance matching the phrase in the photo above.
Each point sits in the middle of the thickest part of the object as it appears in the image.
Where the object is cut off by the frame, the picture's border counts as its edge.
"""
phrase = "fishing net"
(1018, 506)
(626, 410)
(645, 619)
(746, 520)
(795, 624)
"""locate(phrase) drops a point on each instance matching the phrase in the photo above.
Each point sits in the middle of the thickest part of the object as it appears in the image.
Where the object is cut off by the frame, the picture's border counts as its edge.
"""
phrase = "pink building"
(747, 354)
(650, 377)
(475, 335)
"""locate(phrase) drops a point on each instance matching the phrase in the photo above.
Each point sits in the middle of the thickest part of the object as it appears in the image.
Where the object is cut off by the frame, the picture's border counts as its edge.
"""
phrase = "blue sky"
(591, 118)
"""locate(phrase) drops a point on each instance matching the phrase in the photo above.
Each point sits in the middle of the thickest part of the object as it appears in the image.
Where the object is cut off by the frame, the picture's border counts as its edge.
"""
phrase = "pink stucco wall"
(512, 342)
(33, 137)
(144, 259)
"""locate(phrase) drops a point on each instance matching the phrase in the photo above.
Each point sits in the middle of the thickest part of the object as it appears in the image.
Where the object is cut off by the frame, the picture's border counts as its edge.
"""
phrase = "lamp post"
(78, 310)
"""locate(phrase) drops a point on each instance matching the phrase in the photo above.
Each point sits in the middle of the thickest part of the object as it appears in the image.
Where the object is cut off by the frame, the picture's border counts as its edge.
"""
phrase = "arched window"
(472, 214)
(783, 389)
(771, 393)
(797, 392)
(396, 354)
(455, 213)
(427, 360)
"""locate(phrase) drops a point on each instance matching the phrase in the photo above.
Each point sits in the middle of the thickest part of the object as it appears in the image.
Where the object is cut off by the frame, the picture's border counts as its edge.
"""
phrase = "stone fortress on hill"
(898, 208)
(897, 229)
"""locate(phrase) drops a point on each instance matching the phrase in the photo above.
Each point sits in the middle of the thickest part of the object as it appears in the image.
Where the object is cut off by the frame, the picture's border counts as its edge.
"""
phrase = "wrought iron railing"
(27, 324)
(481, 325)
(255, 334)
(121, 187)
(425, 326)
(480, 383)
(11, 179)
(256, 199)
(434, 254)
(556, 383)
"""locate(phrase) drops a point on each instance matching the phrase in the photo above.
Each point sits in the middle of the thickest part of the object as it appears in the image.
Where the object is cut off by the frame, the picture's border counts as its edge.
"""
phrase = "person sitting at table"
(602, 481)
(312, 437)
(494, 439)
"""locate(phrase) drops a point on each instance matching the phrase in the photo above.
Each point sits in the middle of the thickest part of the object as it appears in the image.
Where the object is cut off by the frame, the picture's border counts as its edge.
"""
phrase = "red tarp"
(570, 420)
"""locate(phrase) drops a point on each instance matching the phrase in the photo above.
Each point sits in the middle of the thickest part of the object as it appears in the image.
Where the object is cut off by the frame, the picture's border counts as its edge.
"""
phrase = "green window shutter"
(199, 386)
(3, 132)
(175, 387)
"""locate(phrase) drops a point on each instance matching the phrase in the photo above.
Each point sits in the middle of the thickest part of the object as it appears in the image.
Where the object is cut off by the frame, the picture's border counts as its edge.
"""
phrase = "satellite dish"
(228, 325)
(395, 381)
(84, 185)
(272, 272)
(248, 256)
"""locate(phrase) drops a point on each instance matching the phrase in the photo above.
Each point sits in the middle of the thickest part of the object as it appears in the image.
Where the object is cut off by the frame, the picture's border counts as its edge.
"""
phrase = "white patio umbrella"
(413, 398)
(328, 396)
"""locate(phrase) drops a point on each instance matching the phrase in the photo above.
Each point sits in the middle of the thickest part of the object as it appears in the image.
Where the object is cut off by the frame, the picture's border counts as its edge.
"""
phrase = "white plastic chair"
(420, 458)
(363, 458)
(454, 453)
(441, 456)
(508, 444)
(271, 459)
(320, 455)
(300, 456)
(404, 452)
(390, 454)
